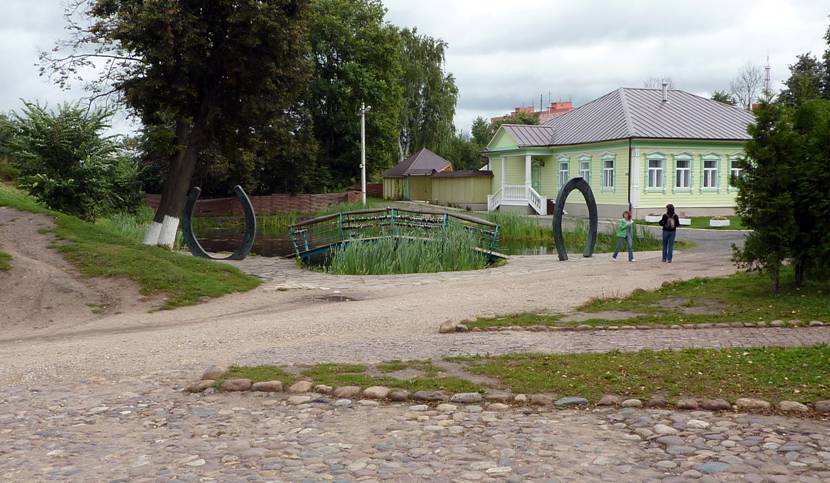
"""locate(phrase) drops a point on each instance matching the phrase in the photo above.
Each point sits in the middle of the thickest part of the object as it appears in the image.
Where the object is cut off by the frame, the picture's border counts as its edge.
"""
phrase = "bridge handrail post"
(340, 226)
(393, 215)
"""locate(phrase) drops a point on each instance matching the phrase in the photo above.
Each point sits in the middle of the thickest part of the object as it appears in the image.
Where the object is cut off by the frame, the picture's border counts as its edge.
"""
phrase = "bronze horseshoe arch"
(250, 226)
(583, 187)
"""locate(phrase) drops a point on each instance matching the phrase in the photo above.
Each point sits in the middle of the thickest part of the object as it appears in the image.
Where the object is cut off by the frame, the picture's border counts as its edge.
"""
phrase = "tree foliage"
(724, 97)
(217, 74)
(783, 196)
(429, 95)
(481, 131)
(807, 77)
(356, 60)
(67, 162)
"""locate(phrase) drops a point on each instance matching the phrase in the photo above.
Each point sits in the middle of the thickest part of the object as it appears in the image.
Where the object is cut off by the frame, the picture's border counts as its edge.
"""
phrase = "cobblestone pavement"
(144, 430)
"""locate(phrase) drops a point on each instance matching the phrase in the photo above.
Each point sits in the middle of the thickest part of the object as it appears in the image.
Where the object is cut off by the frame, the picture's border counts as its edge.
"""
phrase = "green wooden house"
(638, 148)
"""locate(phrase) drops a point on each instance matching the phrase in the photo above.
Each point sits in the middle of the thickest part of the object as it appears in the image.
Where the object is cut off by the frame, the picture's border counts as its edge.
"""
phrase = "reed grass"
(449, 252)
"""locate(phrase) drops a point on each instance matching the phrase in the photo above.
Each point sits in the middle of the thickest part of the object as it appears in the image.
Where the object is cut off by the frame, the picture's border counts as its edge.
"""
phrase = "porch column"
(528, 170)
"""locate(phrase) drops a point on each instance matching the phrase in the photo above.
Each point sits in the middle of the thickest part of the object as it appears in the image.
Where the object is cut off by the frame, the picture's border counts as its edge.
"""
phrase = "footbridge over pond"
(313, 240)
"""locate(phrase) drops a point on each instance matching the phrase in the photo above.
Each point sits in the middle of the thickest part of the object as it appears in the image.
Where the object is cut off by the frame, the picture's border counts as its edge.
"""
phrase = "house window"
(655, 173)
(710, 174)
(608, 173)
(734, 169)
(585, 169)
(683, 174)
(563, 173)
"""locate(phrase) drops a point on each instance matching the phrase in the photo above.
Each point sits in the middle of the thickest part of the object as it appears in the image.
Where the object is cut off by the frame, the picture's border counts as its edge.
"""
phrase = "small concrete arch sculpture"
(250, 226)
(583, 187)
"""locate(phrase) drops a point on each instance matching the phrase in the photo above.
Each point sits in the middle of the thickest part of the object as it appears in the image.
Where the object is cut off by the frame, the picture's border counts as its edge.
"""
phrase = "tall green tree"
(811, 244)
(481, 131)
(221, 71)
(805, 82)
(765, 201)
(429, 95)
(724, 97)
(356, 57)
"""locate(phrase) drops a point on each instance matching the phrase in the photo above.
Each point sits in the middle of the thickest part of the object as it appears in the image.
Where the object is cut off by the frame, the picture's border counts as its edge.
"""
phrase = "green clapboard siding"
(696, 196)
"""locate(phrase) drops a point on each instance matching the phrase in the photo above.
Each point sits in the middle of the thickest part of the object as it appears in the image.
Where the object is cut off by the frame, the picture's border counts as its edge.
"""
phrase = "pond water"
(271, 245)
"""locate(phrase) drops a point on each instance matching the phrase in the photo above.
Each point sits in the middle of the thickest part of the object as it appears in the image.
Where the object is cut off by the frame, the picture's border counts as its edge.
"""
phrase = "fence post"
(340, 226)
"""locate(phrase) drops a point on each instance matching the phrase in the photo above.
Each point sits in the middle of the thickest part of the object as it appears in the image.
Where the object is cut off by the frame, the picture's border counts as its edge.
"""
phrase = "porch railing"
(517, 194)
(536, 201)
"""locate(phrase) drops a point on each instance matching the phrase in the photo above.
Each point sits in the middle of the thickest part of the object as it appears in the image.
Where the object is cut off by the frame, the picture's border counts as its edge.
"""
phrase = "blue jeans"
(668, 245)
(627, 239)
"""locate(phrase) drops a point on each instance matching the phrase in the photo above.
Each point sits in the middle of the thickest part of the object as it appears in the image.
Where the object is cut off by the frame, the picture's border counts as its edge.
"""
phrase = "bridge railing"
(376, 223)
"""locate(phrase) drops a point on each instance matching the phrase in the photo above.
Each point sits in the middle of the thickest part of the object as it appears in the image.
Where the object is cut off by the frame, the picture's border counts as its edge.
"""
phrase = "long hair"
(670, 209)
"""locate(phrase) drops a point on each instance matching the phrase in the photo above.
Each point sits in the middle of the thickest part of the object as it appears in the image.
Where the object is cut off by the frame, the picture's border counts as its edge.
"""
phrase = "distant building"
(556, 109)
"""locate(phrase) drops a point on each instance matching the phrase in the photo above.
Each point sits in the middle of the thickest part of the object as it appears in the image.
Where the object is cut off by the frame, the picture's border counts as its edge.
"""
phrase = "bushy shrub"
(67, 162)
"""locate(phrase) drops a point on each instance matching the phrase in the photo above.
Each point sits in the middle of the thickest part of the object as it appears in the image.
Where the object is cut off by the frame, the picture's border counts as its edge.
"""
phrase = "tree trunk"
(163, 229)
(776, 281)
(800, 269)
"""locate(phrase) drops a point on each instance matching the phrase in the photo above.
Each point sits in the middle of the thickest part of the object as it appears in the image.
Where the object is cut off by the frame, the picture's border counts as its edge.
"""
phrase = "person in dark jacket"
(669, 222)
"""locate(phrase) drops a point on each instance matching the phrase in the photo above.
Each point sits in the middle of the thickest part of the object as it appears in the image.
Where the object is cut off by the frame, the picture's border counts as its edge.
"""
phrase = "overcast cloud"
(505, 54)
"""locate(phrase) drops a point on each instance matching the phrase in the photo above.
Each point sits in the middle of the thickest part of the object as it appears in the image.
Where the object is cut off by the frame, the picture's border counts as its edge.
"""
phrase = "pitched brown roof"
(422, 163)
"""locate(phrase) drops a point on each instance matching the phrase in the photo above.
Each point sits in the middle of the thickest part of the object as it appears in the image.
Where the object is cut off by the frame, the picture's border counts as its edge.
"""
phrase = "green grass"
(5, 261)
(255, 374)
(774, 374)
(801, 374)
(100, 250)
(358, 375)
(702, 222)
(743, 297)
(451, 251)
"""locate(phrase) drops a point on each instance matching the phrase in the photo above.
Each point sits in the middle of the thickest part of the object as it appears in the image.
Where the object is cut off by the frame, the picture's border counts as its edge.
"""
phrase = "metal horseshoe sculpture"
(584, 188)
(250, 226)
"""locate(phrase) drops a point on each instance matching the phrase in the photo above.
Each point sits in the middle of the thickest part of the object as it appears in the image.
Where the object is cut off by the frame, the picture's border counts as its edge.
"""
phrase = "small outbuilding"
(411, 178)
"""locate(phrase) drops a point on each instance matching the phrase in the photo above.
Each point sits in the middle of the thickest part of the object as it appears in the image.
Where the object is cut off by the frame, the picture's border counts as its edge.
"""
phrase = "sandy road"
(330, 316)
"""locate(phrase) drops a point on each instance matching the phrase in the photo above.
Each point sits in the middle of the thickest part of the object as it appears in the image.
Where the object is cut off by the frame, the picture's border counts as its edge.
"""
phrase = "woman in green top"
(625, 229)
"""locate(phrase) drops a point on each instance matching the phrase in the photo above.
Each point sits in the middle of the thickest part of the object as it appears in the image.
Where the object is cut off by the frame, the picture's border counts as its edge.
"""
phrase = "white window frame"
(564, 175)
(733, 171)
(609, 174)
(585, 173)
(683, 158)
(650, 187)
(705, 175)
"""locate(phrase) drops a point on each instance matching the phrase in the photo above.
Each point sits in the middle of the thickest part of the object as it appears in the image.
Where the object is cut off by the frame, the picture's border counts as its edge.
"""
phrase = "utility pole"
(363, 110)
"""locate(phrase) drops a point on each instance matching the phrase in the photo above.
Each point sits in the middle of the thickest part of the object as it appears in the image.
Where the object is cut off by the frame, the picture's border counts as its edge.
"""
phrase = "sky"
(504, 54)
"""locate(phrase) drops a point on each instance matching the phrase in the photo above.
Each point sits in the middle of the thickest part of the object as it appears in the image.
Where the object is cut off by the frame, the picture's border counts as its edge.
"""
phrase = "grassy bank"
(775, 374)
(5, 261)
(743, 297)
(102, 250)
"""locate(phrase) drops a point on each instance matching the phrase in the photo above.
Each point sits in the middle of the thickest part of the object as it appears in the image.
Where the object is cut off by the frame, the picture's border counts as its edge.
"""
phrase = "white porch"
(518, 194)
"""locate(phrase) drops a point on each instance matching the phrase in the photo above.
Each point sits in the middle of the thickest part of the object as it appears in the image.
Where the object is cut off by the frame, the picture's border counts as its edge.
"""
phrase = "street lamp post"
(363, 110)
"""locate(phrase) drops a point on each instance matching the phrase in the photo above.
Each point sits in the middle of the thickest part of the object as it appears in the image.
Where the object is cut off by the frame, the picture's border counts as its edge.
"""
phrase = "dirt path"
(311, 314)
(42, 292)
